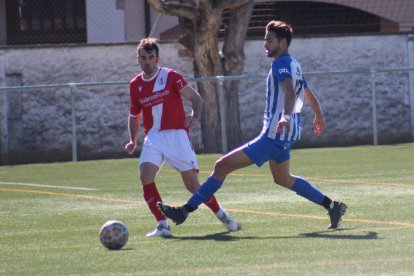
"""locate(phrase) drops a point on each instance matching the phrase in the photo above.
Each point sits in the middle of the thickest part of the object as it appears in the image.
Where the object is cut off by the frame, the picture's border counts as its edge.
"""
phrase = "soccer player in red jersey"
(157, 93)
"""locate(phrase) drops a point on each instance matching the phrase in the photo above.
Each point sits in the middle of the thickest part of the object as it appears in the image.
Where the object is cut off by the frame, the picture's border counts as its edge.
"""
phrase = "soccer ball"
(113, 234)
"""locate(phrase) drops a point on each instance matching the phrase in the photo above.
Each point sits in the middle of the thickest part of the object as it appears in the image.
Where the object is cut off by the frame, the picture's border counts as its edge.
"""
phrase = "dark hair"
(281, 29)
(149, 44)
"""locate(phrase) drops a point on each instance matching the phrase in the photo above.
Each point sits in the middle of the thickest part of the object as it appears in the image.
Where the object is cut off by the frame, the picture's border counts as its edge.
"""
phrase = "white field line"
(48, 186)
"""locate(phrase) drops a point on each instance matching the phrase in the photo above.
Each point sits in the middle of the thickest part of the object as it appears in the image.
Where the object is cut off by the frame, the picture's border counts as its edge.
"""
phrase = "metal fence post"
(411, 82)
(222, 105)
(374, 109)
(72, 103)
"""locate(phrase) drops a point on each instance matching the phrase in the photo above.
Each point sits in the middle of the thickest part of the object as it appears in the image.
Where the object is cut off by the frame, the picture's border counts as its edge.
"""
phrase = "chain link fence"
(118, 21)
(70, 129)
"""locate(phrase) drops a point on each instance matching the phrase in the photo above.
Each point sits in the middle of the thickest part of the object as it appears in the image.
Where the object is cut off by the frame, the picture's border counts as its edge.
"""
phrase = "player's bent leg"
(305, 189)
(152, 196)
(281, 174)
(190, 180)
(148, 171)
(230, 162)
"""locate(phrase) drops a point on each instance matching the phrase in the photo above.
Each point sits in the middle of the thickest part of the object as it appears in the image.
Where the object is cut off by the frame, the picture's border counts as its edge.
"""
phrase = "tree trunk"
(233, 64)
(201, 21)
(207, 64)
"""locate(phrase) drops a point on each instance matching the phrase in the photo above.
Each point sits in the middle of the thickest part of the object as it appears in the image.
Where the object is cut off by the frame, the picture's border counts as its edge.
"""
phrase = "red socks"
(152, 196)
(212, 203)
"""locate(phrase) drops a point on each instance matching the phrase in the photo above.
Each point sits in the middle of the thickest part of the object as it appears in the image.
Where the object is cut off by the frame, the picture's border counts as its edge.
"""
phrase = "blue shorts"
(263, 149)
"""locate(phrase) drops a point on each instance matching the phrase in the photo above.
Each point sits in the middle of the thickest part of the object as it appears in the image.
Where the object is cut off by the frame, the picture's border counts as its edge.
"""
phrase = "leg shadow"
(371, 235)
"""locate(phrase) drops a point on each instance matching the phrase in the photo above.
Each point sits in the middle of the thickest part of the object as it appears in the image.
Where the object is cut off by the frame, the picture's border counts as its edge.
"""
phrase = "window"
(45, 21)
(310, 18)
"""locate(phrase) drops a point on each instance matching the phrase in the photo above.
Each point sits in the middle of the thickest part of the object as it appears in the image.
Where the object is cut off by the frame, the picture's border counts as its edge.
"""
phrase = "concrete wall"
(346, 99)
(35, 125)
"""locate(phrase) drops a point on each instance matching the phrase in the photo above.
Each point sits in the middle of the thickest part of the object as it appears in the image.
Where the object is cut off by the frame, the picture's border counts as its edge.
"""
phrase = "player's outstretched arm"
(312, 100)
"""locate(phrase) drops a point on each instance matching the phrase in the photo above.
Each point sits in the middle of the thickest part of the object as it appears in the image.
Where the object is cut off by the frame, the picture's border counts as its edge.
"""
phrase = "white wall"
(118, 21)
(105, 21)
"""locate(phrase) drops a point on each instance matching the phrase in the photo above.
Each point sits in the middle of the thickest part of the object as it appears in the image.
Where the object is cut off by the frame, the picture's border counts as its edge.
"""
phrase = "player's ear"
(158, 58)
(285, 44)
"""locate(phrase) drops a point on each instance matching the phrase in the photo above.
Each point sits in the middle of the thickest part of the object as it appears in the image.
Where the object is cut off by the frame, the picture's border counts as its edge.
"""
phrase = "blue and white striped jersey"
(283, 67)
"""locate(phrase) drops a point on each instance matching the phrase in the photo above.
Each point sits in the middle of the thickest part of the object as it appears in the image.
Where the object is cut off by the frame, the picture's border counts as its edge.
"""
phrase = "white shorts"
(172, 146)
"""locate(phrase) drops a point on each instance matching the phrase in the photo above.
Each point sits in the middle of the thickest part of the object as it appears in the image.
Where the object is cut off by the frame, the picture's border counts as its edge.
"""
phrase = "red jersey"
(159, 99)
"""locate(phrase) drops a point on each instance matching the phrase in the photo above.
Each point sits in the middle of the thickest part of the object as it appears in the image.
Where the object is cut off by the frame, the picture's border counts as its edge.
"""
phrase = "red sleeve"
(135, 107)
(177, 80)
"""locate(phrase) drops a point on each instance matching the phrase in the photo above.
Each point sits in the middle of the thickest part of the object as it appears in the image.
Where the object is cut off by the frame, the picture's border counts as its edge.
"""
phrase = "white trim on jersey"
(161, 80)
(156, 117)
(157, 110)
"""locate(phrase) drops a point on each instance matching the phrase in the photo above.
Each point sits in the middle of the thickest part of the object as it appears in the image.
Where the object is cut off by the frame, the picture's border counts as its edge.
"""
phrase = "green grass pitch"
(51, 215)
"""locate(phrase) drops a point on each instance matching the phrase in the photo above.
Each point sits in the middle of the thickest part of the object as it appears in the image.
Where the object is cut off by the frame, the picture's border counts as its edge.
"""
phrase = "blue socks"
(303, 188)
(204, 192)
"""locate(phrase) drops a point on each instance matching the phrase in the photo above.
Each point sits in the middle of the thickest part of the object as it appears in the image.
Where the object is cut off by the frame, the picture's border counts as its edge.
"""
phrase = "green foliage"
(53, 230)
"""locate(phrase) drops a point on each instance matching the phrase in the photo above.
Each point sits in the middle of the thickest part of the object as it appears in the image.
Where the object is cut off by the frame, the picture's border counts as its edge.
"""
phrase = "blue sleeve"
(281, 70)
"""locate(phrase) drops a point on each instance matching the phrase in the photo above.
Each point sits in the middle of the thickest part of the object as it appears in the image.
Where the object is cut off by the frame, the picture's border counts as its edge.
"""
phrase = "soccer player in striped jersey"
(157, 93)
(286, 91)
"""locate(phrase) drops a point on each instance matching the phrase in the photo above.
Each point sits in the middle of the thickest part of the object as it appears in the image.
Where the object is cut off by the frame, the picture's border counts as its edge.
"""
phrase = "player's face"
(272, 45)
(148, 61)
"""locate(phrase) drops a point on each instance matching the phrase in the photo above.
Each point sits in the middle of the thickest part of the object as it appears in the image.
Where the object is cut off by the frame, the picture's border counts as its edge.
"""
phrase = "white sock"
(219, 214)
(163, 223)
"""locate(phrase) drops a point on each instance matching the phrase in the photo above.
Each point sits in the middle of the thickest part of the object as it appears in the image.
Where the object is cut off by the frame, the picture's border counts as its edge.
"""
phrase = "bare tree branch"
(200, 21)
(185, 9)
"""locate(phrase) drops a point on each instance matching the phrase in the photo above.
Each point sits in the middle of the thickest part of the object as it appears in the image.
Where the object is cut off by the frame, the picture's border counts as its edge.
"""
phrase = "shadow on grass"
(371, 235)
(224, 236)
(119, 250)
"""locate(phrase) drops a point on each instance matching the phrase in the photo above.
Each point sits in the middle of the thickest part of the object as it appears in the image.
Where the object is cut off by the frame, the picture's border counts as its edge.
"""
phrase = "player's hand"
(282, 125)
(190, 121)
(318, 126)
(130, 147)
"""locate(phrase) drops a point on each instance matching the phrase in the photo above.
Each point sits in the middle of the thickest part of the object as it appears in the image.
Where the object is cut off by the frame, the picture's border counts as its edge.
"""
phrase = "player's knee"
(192, 187)
(220, 165)
(284, 182)
(277, 180)
(146, 178)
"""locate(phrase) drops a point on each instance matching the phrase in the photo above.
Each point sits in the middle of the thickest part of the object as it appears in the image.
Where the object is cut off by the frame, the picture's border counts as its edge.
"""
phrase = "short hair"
(149, 44)
(281, 29)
